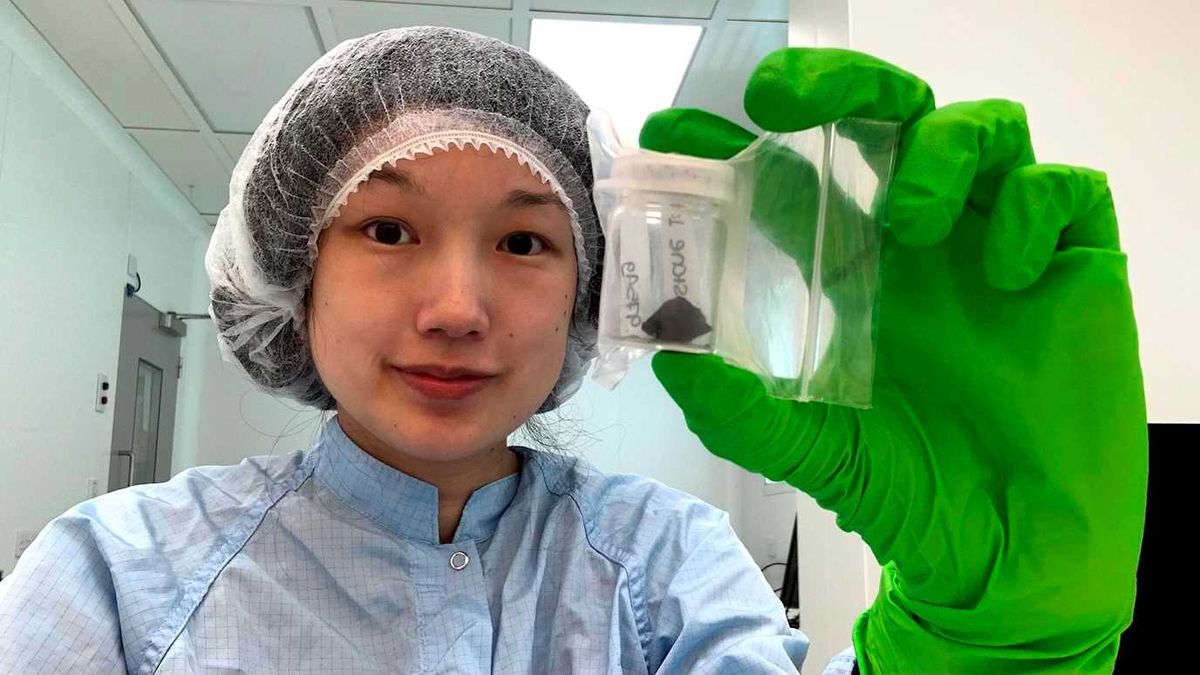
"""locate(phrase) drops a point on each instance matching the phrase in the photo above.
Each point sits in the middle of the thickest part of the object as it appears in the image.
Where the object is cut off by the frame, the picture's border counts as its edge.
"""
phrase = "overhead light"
(627, 69)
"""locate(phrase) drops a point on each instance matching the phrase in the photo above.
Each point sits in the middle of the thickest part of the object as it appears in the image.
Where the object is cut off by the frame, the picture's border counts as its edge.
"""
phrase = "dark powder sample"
(676, 321)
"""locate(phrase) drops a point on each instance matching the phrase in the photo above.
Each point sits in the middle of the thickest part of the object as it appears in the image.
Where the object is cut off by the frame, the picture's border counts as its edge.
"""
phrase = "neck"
(455, 479)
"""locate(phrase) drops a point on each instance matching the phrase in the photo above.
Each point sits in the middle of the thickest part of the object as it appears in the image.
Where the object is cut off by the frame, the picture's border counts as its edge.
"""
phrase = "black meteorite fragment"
(676, 321)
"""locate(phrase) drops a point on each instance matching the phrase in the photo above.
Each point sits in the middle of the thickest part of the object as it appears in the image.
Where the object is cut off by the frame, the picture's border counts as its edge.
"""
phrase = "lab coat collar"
(405, 505)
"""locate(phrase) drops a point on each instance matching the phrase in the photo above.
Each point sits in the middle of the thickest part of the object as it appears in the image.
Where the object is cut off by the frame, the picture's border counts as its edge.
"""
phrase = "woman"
(410, 241)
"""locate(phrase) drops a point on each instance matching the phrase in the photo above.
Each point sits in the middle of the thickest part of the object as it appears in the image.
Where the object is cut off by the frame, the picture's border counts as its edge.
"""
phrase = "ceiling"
(191, 79)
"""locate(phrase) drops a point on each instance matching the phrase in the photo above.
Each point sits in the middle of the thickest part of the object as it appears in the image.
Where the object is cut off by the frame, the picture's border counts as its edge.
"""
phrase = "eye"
(388, 232)
(523, 243)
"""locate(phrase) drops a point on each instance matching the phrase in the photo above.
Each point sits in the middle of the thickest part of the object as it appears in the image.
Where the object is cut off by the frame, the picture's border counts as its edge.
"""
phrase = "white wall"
(76, 197)
(767, 512)
(1110, 85)
(636, 428)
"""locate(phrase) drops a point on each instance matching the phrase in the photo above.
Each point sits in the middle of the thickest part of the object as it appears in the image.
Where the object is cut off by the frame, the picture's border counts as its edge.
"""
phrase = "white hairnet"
(393, 95)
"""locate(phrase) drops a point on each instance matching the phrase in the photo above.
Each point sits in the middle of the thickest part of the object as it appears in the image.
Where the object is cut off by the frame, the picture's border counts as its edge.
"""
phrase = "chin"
(428, 437)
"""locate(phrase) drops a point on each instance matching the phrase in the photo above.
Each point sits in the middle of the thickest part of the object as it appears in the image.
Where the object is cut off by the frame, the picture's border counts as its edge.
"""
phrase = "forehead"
(481, 165)
(469, 175)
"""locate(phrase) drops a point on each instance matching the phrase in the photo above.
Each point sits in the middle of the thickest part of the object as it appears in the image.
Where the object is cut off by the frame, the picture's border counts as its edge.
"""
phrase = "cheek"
(533, 342)
(538, 324)
(347, 316)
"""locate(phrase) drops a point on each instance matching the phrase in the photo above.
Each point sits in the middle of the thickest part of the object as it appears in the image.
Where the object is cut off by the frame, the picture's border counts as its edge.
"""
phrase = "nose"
(454, 300)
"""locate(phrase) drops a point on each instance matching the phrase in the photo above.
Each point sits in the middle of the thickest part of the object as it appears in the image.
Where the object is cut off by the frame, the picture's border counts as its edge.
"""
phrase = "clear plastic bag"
(769, 259)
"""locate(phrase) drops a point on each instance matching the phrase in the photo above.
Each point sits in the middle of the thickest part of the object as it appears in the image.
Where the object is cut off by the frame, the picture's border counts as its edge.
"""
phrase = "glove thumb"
(730, 410)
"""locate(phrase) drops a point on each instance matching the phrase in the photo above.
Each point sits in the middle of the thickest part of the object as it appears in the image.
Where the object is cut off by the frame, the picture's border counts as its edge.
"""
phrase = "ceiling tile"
(759, 10)
(353, 21)
(236, 59)
(718, 75)
(190, 164)
(6, 59)
(234, 143)
(694, 9)
(92, 40)
(492, 4)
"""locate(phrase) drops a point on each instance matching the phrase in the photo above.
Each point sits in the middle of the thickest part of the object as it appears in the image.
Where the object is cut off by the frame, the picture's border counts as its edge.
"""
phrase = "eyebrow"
(398, 178)
(519, 199)
(524, 199)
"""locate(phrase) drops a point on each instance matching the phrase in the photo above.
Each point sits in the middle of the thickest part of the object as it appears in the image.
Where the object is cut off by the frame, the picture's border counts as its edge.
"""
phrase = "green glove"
(1001, 475)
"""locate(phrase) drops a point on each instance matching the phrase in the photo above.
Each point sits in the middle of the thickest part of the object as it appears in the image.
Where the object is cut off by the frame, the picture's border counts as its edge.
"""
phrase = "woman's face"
(441, 299)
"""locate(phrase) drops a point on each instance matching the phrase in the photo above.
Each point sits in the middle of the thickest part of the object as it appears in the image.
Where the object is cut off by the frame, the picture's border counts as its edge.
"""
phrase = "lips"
(445, 372)
(445, 382)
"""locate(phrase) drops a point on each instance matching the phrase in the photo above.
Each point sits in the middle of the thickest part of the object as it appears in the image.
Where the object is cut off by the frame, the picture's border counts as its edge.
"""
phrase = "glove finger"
(807, 445)
(715, 399)
(693, 132)
(953, 154)
(799, 88)
(1043, 208)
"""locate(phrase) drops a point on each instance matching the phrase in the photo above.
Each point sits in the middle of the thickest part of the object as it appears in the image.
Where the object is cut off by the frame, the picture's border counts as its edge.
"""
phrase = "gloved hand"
(1001, 475)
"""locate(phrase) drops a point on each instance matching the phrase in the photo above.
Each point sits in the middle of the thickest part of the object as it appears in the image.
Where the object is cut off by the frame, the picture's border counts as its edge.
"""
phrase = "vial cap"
(663, 172)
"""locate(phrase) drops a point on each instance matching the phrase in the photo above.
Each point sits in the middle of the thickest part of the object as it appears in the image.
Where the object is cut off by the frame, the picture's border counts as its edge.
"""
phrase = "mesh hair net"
(398, 94)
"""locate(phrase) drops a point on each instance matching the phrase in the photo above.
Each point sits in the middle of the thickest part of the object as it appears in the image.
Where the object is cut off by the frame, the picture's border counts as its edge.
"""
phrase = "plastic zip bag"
(769, 259)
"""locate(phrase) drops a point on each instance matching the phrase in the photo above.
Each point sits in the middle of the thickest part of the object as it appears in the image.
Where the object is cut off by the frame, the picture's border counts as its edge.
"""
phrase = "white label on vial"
(636, 293)
(681, 260)
(678, 256)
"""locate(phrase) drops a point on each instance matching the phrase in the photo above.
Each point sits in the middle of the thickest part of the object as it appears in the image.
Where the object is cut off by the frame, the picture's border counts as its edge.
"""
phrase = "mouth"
(443, 382)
